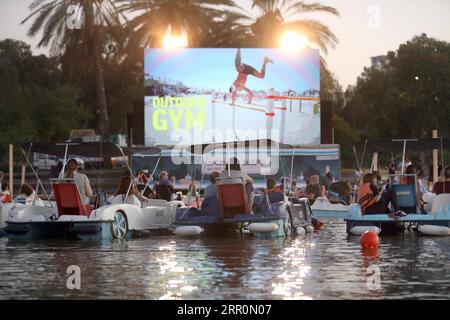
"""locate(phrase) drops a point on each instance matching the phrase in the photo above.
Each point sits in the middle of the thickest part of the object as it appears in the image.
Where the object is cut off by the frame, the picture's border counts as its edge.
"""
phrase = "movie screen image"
(223, 95)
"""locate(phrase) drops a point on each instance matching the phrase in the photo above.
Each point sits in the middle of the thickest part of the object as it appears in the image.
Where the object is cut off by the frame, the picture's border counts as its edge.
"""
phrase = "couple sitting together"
(375, 201)
(163, 190)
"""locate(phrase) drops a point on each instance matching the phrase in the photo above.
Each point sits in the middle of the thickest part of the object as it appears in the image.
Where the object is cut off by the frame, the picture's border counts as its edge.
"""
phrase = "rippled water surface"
(324, 265)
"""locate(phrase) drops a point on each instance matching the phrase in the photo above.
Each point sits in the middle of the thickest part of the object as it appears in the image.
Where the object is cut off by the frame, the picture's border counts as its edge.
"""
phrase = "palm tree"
(153, 18)
(276, 16)
(78, 29)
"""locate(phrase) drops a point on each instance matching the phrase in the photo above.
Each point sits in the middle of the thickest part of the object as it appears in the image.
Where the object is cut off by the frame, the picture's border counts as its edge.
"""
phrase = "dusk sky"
(361, 34)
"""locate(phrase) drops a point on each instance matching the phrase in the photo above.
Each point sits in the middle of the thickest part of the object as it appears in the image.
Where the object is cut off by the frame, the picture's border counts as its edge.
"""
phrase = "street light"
(292, 41)
(172, 42)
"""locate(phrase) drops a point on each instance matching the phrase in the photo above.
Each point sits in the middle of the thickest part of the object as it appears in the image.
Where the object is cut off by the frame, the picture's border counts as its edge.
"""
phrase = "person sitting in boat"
(193, 196)
(410, 170)
(5, 195)
(369, 197)
(233, 170)
(140, 179)
(81, 180)
(330, 177)
(392, 166)
(164, 188)
(211, 189)
(281, 186)
(294, 189)
(272, 194)
(126, 187)
(324, 182)
(27, 192)
(313, 189)
(443, 186)
(142, 183)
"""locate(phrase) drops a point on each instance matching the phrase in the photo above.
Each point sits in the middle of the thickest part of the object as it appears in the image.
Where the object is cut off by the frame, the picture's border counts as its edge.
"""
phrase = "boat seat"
(405, 197)
(232, 199)
(264, 206)
(68, 199)
(228, 180)
(441, 201)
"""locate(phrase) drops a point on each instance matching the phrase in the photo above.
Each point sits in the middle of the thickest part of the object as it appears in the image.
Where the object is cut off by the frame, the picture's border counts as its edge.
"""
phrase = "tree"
(35, 104)
(153, 18)
(407, 97)
(78, 28)
(274, 16)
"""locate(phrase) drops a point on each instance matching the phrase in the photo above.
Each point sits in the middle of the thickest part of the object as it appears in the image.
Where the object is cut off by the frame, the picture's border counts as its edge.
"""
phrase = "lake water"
(324, 265)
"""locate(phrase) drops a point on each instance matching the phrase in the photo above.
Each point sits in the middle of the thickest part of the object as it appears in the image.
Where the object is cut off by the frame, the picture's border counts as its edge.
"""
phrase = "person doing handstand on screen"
(243, 71)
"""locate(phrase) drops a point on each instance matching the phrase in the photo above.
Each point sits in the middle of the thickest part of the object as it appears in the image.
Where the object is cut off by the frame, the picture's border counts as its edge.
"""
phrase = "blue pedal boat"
(274, 216)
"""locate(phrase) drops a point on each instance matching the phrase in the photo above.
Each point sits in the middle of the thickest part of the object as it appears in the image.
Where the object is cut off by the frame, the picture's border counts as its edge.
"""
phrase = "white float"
(300, 231)
(186, 231)
(263, 227)
(431, 230)
(359, 230)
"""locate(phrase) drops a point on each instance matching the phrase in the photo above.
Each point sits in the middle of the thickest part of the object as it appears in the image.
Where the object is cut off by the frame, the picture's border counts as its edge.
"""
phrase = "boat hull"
(39, 230)
(394, 226)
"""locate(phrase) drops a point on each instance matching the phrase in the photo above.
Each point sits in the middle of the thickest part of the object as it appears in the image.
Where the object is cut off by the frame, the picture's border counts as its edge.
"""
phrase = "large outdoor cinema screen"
(220, 95)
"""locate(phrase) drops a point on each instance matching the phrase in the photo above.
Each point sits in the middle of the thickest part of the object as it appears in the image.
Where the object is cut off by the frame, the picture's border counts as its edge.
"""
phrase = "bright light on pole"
(172, 42)
(292, 41)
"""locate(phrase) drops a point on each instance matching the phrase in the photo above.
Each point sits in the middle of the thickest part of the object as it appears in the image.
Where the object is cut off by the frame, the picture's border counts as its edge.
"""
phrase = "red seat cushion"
(68, 200)
(232, 199)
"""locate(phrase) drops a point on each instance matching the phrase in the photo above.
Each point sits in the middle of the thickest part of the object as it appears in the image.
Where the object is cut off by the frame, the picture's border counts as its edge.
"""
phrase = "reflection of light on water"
(290, 282)
(174, 282)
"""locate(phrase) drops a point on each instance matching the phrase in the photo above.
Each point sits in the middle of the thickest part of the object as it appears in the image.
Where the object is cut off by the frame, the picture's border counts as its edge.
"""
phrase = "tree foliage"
(35, 104)
(409, 96)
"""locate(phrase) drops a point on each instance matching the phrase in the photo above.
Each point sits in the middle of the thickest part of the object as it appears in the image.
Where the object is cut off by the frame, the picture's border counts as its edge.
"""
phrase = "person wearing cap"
(81, 180)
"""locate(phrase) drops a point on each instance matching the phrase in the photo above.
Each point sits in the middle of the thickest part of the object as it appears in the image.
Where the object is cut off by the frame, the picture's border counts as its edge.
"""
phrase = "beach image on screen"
(223, 95)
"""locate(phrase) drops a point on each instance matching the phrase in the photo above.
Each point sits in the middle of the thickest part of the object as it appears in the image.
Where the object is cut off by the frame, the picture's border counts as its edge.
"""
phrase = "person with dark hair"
(81, 180)
(271, 195)
(443, 186)
(125, 188)
(330, 177)
(281, 186)
(5, 195)
(410, 170)
(324, 182)
(30, 195)
(140, 179)
(313, 189)
(164, 188)
(211, 189)
(294, 189)
(392, 166)
(369, 197)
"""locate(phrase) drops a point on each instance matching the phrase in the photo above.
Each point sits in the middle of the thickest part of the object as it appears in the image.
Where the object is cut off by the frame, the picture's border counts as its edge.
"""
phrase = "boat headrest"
(229, 181)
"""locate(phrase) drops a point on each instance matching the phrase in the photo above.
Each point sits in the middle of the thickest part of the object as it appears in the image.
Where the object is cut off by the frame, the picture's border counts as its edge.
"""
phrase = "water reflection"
(295, 268)
(327, 264)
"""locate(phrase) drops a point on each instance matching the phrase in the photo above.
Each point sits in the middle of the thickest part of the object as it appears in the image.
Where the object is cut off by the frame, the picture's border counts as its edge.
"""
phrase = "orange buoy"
(369, 240)
(370, 254)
